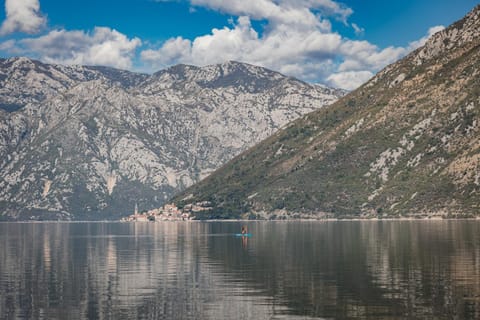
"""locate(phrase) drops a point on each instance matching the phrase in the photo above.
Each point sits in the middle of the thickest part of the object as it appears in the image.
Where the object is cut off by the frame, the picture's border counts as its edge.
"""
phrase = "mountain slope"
(405, 143)
(90, 142)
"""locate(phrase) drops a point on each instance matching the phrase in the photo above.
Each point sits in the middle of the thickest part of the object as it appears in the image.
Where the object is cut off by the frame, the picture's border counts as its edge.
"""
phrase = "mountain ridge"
(90, 142)
(403, 144)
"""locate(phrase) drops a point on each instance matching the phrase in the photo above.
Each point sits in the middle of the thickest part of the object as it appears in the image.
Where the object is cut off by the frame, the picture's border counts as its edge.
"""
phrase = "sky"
(336, 43)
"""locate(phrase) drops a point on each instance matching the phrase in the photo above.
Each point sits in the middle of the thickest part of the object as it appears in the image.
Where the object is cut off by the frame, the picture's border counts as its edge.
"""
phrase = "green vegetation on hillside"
(404, 144)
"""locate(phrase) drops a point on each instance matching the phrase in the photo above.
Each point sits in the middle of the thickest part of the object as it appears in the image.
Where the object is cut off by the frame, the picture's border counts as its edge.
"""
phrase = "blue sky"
(337, 43)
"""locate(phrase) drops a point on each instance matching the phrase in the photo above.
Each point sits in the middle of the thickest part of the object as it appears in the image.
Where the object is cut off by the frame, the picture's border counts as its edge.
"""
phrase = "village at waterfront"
(169, 212)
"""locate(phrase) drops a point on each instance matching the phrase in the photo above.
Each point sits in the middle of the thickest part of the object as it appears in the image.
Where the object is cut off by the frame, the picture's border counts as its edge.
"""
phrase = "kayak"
(243, 235)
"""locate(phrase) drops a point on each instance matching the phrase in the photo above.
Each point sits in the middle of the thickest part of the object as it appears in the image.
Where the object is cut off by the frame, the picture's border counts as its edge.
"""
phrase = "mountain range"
(84, 142)
(404, 144)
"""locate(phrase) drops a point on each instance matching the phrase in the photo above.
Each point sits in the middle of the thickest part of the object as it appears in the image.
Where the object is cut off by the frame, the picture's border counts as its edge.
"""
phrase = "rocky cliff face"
(404, 144)
(89, 142)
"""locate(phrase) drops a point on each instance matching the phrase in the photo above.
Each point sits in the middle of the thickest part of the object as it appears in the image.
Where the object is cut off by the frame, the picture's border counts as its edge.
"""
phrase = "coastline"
(373, 219)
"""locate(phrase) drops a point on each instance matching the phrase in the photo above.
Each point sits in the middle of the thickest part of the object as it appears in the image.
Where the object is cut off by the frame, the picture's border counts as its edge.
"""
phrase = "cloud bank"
(296, 39)
(103, 46)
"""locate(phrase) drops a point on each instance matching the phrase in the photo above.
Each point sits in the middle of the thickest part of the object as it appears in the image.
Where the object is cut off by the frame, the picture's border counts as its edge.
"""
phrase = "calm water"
(299, 270)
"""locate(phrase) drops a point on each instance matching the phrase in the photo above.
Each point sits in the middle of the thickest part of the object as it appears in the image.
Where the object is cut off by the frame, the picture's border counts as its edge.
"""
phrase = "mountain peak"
(232, 66)
(243, 76)
(234, 63)
(461, 33)
(19, 60)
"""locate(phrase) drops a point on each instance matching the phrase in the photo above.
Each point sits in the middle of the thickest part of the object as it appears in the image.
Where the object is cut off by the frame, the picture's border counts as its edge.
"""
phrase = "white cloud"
(104, 46)
(350, 79)
(175, 49)
(292, 12)
(358, 30)
(22, 16)
(283, 10)
(296, 39)
(328, 7)
(8, 45)
(262, 9)
(285, 49)
(362, 55)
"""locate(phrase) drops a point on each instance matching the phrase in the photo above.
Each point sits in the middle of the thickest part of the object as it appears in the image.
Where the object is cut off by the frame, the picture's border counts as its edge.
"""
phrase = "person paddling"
(244, 237)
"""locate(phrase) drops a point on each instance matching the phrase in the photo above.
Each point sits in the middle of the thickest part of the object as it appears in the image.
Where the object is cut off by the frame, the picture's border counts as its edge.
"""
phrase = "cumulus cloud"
(328, 7)
(297, 40)
(22, 16)
(285, 49)
(103, 46)
(361, 55)
(349, 80)
(280, 11)
(175, 49)
(276, 14)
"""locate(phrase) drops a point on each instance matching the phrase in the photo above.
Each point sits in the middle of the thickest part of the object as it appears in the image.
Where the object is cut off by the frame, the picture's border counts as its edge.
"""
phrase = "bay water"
(202, 270)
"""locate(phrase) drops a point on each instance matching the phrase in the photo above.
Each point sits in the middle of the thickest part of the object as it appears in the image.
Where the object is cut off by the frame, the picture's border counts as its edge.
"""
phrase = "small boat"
(243, 235)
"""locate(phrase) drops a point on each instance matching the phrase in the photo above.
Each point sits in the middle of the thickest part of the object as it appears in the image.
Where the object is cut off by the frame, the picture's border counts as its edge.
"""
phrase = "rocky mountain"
(407, 143)
(79, 142)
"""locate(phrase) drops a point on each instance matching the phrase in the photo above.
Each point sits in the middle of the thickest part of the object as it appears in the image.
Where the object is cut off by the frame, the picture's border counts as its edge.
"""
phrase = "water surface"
(196, 270)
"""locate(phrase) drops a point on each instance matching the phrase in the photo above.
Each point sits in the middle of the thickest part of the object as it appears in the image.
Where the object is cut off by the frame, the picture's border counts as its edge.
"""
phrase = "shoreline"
(373, 219)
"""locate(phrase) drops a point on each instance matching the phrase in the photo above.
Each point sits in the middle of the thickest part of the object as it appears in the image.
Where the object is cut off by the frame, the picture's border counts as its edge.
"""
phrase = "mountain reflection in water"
(196, 270)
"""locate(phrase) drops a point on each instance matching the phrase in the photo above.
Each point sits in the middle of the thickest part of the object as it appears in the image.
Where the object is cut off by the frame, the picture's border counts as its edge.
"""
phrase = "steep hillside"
(405, 143)
(90, 142)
